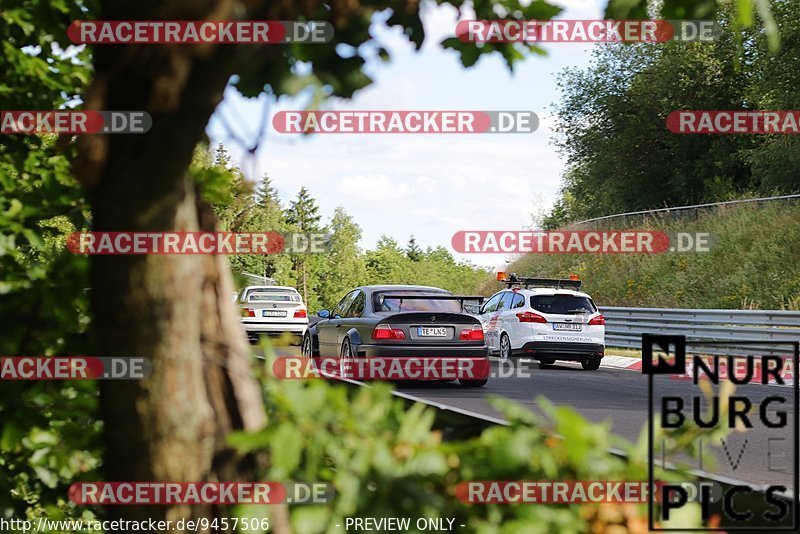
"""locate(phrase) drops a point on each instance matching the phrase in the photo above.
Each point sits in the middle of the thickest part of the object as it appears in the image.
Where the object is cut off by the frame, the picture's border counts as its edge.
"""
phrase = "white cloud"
(373, 187)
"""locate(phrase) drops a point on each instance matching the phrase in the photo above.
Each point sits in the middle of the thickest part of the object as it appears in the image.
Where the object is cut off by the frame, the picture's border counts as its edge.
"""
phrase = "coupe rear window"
(562, 304)
(383, 304)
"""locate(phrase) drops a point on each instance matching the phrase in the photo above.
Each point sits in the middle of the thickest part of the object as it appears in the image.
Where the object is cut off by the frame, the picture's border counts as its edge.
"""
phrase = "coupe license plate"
(424, 331)
(571, 327)
(273, 313)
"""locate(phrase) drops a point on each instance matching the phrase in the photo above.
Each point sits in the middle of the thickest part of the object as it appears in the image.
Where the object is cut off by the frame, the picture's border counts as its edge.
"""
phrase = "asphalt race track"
(620, 396)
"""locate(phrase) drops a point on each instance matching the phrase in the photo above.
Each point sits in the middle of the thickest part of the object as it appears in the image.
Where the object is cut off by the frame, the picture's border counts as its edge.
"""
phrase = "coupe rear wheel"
(592, 364)
(505, 347)
(346, 359)
(473, 383)
(307, 349)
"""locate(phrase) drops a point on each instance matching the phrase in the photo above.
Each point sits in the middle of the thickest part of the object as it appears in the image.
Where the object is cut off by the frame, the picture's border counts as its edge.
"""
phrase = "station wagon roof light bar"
(573, 282)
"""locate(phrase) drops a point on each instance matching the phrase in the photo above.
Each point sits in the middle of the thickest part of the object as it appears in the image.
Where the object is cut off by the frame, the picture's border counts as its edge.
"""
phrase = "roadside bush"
(387, 460)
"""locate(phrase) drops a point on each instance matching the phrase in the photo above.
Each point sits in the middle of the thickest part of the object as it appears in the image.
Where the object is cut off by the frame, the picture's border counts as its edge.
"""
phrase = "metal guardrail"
(625, 326)
(678, 210)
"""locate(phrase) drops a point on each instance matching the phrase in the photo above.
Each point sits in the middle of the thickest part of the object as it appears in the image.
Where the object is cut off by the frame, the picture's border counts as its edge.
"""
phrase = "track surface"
(620, 396)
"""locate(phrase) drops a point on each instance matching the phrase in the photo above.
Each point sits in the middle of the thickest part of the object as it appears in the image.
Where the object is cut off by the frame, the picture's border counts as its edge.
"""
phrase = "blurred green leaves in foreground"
(386, 459)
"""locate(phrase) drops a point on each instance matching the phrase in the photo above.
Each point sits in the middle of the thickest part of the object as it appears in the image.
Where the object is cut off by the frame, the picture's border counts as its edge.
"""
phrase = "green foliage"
(49, 432)
(49, 439)
(389, 264)
(343, 267)
(413, 252)
(742, 11)
(612, 121)
(753, 264)
(385, 459)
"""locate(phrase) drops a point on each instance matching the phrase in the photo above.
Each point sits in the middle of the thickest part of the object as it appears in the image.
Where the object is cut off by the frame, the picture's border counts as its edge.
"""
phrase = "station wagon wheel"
(505, 347)
(592, 364)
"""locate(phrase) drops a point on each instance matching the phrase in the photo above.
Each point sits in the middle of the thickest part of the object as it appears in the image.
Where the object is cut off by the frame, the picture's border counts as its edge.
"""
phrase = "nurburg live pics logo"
(769, 416)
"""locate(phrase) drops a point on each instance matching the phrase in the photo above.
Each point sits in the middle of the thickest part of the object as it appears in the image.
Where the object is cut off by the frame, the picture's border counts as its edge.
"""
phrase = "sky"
(426, 185)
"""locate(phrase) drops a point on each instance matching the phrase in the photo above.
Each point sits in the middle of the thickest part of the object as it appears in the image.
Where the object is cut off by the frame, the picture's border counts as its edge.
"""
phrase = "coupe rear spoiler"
(459, 298)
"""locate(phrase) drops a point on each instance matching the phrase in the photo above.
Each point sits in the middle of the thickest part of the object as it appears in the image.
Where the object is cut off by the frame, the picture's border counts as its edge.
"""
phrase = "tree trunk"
(174, 310)
(305, 285)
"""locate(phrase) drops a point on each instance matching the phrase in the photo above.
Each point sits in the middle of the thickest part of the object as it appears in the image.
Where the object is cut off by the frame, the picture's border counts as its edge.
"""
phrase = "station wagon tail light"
(599, 320)
(530, 317)
(385, 331)
(472, 334)
(248, 312)
(300, 314)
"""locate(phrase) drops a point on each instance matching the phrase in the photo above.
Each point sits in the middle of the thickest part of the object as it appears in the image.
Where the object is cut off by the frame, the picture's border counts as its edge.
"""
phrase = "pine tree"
(267, 194)
(303, 215)
(413, 251)
(303, 212)
(221, 156)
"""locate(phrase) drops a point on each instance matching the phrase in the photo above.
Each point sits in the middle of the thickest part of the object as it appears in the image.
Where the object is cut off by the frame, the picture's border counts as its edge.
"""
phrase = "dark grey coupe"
(401, 322)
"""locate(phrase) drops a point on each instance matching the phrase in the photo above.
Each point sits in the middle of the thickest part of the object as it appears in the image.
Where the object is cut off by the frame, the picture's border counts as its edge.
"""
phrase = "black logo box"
(677, 367)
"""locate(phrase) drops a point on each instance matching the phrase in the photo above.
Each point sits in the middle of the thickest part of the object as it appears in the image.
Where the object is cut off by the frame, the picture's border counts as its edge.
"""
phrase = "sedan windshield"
(395, 304)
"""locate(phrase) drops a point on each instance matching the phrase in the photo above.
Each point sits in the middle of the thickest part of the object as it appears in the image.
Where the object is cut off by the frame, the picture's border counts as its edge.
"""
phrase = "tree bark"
(174, 310)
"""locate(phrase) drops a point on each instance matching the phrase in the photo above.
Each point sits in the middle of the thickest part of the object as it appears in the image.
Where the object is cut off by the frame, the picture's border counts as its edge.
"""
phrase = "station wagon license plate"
(273, 313)
(424, 331)
(572, 327)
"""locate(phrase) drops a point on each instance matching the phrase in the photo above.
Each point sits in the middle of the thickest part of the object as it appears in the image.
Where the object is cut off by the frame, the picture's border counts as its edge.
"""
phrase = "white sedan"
(273, 310)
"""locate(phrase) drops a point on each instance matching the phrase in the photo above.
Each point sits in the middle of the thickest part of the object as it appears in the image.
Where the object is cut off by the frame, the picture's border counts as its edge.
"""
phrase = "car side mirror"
(323, 314)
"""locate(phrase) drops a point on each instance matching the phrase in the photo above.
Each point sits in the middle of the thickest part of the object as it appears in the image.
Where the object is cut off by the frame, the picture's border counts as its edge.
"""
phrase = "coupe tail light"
(472, 334)
(247, 312)
(599, 320)
(385, 331)
(530, 317)
(300, 314)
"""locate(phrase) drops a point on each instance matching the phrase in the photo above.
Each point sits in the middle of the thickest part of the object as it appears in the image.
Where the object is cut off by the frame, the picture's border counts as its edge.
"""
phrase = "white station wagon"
(544, 319)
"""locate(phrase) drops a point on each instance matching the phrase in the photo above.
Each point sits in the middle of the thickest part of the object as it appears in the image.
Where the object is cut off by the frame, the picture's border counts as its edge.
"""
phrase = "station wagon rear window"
(562, 304)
